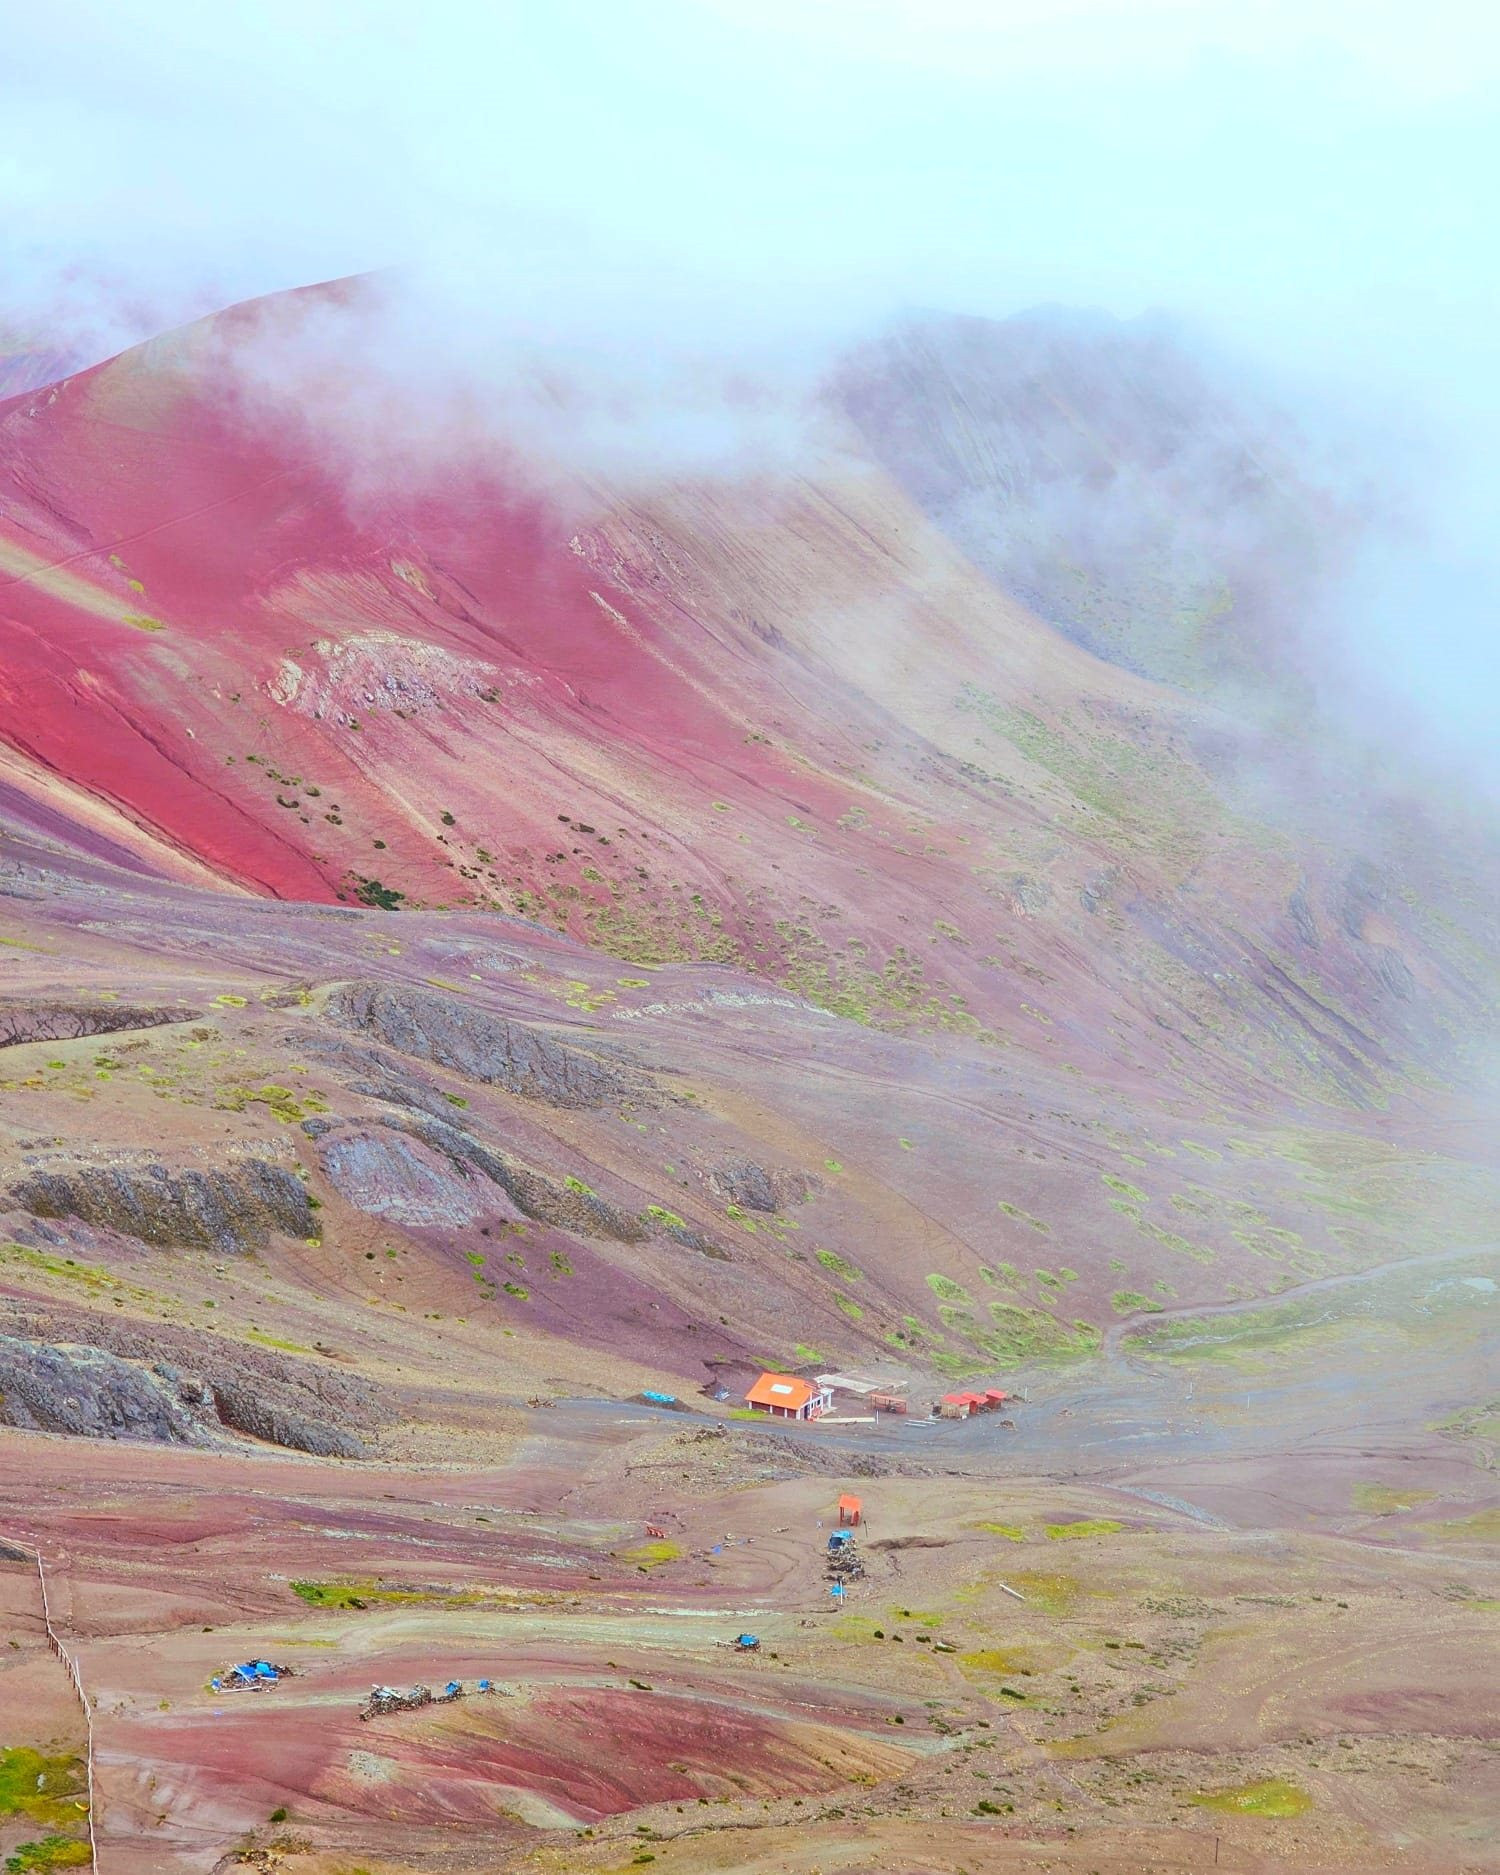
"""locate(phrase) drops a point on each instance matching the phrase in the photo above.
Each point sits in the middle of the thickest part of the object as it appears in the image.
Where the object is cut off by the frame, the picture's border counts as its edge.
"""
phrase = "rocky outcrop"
(373, 1075)
(471, 1041)
(1366, 891)
(94, 1377)
(227, 1209)
(70, 1021)
(248, 1410)
(571, 1207)
(744, 1183)
(1394, 971)
(385, 1174)
(1299, 906)
(91, 1395)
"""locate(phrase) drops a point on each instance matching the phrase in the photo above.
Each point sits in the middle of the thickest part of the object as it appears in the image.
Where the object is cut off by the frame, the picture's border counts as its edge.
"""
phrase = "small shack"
(955, 1406)
(995, 1396)
(888, 1402)
(784, 1396)
(850, 1509)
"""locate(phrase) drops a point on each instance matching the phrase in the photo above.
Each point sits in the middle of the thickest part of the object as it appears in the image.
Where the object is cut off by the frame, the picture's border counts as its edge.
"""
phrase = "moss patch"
(45, 1790)
(1384, 1499)
(1131, 1302)
(50, 1852)
(651, 1555)
(1272, 1796)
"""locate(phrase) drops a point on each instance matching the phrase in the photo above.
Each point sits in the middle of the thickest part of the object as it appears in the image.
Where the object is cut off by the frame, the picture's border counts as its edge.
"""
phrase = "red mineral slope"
(783, 724)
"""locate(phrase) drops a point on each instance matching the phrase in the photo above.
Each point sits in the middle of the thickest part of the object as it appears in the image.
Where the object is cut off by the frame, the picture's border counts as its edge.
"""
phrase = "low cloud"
(629, 239)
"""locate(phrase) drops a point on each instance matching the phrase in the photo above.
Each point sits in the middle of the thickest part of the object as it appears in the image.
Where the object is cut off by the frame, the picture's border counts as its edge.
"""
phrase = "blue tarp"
(454, 1686)
(662, 1399)
(840, 1538)
(746, 1640)
(254, 1670)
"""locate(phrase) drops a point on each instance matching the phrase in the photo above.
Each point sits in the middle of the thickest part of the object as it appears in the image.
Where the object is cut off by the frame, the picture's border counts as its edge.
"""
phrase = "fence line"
(55, 1642)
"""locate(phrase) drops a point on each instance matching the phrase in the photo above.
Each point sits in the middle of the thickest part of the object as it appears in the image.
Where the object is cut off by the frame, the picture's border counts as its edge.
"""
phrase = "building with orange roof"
(784, 1396)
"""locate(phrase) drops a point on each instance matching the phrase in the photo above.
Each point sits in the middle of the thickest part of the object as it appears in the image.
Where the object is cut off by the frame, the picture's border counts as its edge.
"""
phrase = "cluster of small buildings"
(961, 1405)
(785, 1396)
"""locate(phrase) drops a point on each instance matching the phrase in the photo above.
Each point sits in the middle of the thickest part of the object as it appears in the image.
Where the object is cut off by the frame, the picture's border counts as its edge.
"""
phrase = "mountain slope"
(782, 724)
(891, 977)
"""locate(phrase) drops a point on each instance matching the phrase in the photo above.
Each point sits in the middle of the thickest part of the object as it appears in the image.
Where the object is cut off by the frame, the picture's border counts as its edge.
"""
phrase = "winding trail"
(1256, 1304)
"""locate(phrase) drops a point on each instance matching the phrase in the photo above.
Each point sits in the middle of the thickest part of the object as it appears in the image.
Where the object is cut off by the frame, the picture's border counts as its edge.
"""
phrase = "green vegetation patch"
(335, 1594)
(1087, 1526)
(1131, 1302)
(1272, 1796)
(841, 1266)
(1385, 1499)
(1224, 1337)
(1052, 1592)
(1022, 1334)
(856, 1628)
(46, 1790)
(652, 1555)
(379, 897)
(50, 1852)
(1022, 1217)
(1482, 1527)
(993, 1660)
(283, 1103)
(946, 1290)
(1012, 1532)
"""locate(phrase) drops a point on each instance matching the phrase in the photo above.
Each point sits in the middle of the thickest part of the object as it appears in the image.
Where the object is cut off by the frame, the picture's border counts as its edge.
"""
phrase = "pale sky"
(1324, 169)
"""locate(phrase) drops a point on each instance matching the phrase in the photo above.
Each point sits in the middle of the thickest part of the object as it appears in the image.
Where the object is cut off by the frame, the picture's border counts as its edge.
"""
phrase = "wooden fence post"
(75, 1678)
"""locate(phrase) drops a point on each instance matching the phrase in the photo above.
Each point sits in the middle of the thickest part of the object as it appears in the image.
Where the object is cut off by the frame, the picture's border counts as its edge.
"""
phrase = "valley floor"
(1138, 1632)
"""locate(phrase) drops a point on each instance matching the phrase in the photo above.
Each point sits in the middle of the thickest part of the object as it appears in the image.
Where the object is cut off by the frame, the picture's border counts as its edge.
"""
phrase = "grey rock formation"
(745, 1183)
(226, 1209)
(473, 1042)
(68, 1022)
(90, 1394)
(247, 1410)
(387, 1175)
